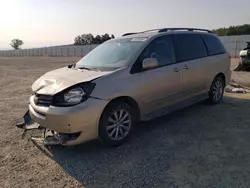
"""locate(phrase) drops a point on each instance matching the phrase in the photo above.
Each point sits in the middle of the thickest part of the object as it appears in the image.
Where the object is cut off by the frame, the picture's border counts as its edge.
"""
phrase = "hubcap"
(217, 90)
(118, 125)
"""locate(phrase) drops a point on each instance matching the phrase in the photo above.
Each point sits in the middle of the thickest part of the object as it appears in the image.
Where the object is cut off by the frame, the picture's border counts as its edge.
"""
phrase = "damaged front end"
(49, 137)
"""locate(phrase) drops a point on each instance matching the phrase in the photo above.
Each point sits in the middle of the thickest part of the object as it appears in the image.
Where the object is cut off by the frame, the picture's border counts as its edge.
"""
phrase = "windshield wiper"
(90, 69)
(85, 68)
(72, 66)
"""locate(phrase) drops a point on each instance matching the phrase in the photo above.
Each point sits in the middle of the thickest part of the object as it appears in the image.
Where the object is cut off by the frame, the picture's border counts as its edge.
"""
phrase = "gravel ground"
(200, 146)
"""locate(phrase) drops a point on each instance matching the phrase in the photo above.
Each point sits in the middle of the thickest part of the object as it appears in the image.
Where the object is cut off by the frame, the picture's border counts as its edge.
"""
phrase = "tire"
(216, 90)
(110, 133)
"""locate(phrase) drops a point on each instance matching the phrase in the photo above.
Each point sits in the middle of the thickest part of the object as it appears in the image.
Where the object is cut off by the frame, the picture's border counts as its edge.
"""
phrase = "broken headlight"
(73, 95)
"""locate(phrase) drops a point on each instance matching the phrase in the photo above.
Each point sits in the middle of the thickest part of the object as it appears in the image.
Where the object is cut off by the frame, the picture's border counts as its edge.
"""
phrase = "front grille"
(43, 100)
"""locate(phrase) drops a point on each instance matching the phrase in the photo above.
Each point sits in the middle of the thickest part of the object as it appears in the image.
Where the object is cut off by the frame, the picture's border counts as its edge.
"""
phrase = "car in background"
(244, 58)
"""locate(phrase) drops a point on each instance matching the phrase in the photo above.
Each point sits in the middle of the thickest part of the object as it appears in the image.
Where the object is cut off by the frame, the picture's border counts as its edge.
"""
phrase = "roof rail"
(180, 28)
(128, 34)
(151, 30)
(170, 29)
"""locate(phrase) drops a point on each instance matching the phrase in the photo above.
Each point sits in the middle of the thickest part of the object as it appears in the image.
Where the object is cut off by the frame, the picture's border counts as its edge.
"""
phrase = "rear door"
(161, 86)
(191, 54)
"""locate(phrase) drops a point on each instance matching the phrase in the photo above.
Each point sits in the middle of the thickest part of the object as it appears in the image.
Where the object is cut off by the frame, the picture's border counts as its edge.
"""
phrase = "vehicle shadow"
(191, 147)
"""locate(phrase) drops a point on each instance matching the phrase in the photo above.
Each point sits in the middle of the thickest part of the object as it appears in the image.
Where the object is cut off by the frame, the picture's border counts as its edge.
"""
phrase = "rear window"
(214, 45)
(189, 47)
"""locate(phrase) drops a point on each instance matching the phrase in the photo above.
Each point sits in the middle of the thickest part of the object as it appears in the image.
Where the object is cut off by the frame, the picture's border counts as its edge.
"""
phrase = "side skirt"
(176, 106)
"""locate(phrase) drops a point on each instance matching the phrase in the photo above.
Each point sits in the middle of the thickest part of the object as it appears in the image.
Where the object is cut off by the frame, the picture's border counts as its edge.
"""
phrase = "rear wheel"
(216, 90)
(116, 124)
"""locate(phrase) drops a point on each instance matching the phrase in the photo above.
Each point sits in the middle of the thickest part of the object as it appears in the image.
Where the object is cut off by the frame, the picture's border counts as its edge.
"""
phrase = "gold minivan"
(138, 76)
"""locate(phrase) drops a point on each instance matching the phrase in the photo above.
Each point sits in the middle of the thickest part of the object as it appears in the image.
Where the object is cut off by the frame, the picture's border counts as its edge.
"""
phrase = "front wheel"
(116, 124)
(216, 90)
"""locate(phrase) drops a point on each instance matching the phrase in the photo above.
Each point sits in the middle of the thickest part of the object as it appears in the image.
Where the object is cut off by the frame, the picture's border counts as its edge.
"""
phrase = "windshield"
(111, 55)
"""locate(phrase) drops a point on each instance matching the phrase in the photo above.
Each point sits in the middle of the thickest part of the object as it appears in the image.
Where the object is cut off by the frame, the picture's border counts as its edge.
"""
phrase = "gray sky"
(54, 22)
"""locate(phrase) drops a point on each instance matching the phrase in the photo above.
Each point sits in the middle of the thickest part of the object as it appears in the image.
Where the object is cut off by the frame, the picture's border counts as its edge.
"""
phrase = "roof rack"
(151, 30)
(128, 34)
(170, 29)
(182, 28)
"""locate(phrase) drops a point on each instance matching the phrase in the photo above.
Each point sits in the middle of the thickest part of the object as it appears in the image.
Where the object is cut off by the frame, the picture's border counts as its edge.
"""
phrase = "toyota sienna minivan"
(138, 76)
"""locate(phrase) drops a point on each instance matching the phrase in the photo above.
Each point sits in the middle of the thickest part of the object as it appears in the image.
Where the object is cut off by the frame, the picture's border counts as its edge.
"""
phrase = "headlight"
(73, 95)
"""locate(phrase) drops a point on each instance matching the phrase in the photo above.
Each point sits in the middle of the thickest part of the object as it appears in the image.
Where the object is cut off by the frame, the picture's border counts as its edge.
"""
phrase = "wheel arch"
(126, 99)
(222, 75)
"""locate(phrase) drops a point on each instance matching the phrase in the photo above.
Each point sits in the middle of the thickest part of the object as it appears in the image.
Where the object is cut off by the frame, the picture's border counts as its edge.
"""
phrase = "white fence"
(50, 51)
(232, 43)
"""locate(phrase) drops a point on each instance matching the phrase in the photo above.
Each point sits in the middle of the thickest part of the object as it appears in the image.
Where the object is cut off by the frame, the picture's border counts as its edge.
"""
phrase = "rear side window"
(189, 47)
(214, 45)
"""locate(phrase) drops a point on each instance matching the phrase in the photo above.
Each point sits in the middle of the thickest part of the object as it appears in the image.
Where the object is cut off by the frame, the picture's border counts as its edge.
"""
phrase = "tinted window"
(189, 46)
(160, 48)
(214, 45)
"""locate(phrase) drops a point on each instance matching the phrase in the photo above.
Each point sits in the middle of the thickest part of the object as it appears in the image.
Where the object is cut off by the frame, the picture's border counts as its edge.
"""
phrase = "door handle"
(185, 67)
(176, 70)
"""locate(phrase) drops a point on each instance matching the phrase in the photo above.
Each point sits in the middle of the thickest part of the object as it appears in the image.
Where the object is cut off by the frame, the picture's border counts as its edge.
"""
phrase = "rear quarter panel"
(218, 64)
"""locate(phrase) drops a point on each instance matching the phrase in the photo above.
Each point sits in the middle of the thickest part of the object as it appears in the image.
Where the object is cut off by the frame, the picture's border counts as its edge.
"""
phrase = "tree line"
(88, 39)
(233, 30)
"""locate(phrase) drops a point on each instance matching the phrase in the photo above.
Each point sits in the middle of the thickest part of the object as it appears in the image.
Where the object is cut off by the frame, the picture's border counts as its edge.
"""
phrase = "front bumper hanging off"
(49, 137)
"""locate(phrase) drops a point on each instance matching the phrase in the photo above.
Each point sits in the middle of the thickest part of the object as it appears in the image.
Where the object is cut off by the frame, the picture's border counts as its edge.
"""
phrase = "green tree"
(77, 40)
(16, 43)
(97, 39)
(105, 37)
(88, 39)
(234, 30)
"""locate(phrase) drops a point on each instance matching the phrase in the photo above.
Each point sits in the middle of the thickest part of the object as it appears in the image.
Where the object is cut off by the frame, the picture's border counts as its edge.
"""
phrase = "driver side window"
(161, 48)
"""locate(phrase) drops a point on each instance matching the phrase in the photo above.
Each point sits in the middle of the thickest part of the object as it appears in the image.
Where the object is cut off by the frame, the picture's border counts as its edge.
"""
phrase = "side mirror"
(150, 63)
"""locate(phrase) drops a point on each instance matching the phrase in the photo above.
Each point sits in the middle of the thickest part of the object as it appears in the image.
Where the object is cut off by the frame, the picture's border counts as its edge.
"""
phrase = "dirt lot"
(200, 146)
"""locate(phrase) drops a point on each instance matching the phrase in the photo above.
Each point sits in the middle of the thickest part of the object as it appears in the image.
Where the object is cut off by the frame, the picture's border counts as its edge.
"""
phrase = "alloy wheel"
(217, 90)
(118, 124)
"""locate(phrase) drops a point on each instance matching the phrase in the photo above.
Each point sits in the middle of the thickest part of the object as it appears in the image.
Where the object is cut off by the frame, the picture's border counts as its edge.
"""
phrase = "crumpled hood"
(55, 81)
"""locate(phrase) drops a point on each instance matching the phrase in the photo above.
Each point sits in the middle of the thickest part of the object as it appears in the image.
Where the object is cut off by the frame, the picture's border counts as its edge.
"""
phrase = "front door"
(161, 86)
